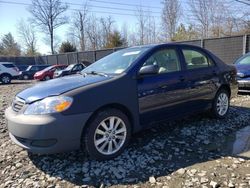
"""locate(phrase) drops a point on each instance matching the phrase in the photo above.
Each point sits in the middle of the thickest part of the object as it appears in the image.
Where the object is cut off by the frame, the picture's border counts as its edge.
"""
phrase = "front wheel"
(25, 77)
(221, 104)
(47, 78)
(5, 79)
(107, 134)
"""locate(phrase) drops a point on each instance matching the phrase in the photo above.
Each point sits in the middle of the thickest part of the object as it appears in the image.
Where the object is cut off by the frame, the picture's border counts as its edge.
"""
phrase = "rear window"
(195, 59)
(9, 65)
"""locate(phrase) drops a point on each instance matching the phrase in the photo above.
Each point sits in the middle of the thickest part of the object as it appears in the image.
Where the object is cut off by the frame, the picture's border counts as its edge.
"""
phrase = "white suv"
(8, 71)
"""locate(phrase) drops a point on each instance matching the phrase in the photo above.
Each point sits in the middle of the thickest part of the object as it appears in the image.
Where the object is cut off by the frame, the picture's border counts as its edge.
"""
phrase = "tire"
(25, 77)
(221, 104)
(5, 78)
(98, 139)
(47, 77)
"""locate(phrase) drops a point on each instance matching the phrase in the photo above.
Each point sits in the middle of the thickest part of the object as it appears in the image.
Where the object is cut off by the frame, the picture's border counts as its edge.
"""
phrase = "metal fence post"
(67, 58)
(202, 42)
(77, 57)
(244, 46)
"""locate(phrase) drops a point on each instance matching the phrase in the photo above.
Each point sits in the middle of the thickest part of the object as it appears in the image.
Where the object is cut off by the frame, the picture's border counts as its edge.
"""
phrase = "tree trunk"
(52, 42)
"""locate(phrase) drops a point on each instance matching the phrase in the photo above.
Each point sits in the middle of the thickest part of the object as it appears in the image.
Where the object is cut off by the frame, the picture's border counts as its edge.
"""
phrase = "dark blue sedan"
(123, 93)
(243, 72)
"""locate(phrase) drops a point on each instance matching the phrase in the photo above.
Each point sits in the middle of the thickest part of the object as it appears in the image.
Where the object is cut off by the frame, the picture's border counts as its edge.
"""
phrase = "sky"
(12, 11)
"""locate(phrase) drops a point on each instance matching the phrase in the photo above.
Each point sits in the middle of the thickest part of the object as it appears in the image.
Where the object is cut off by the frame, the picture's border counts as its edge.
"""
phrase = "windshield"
(28, 68)
(48, 68)
(70, 67)
(244, 60)
(117, 62)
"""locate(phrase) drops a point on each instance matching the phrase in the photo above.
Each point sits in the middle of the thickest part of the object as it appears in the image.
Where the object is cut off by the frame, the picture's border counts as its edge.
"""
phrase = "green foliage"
(9, 47)
(67, 47)
(115, 40)
(184, 33)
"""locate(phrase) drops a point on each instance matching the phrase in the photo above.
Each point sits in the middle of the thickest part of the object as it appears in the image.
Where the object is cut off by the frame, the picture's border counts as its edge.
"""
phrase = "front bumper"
(244, 84)
(38, 77)
(46, 134)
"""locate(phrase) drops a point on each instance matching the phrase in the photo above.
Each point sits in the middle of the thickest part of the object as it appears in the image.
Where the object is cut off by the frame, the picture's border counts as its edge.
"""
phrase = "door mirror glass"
(149, 69)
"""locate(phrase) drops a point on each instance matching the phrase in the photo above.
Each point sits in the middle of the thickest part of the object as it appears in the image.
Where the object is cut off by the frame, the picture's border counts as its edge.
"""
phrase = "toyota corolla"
(125, 92)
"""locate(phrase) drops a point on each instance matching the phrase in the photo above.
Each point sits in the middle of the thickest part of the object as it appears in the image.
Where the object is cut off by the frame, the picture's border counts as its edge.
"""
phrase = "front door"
(161, 95)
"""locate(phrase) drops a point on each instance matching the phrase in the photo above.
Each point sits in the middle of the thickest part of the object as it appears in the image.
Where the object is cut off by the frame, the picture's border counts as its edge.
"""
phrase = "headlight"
(241, 75)
(49, 105)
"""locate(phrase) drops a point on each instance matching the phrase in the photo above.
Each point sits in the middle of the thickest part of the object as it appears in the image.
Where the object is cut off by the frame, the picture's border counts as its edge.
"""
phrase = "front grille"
(17, 104)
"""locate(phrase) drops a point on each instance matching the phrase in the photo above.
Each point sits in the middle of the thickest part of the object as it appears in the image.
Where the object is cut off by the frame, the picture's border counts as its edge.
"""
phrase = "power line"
(243, 2)
(113, 8)
(125, 4)
(95, 6)
(103, 12)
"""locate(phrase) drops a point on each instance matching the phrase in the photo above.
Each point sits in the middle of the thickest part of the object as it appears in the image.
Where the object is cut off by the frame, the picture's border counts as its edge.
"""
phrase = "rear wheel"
(25, 77)
(221, 104)
(5, 78)
(107, 134)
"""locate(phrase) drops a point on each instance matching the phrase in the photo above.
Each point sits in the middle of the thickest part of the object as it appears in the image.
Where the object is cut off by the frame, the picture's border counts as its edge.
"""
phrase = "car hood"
(58, 86)
(243, 69)
(40, 72)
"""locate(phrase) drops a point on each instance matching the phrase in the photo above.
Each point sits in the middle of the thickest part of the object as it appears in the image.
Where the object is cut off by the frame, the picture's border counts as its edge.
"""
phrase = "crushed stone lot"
(197, 151)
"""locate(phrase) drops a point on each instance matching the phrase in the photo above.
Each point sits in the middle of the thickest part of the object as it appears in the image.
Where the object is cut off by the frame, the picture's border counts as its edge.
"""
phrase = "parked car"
(31, 70)
(47, 73)
(71, 69)
(118, 95)
(243, 72)
(8, 71)
(22, 67)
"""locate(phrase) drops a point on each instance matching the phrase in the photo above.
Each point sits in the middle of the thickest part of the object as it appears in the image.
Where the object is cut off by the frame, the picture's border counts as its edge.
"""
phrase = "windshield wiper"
(97, 73)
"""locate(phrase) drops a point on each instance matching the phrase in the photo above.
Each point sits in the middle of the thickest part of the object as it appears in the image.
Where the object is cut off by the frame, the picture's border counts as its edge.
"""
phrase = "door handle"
(163, 86)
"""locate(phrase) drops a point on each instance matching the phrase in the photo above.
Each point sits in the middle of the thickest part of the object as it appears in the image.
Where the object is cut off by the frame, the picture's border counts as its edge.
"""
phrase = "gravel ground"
(194, 152)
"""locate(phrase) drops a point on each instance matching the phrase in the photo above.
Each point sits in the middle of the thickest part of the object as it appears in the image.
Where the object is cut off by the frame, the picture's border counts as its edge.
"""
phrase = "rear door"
(161, 96)
(202, 76)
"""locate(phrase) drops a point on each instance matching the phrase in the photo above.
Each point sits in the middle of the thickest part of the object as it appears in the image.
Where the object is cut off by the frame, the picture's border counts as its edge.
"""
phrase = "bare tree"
(106, 25)
(151, 30)
(142, 20)
(79, 24)
(210, 16)
(170, 17)
(48, 14)
(124, 32)
(28, 36)
(93, 32)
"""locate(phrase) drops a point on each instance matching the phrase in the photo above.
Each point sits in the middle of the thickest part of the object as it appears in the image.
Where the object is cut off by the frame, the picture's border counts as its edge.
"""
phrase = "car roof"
(6, 63)
(151, 46)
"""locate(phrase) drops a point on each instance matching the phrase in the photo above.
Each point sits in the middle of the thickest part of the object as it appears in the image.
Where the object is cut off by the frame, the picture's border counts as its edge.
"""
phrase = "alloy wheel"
(6, 79)
(222, 104)
(110, 135)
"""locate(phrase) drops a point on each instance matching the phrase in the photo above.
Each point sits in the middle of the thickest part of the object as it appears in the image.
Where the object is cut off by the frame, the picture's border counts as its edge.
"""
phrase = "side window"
(9, 65)
(195, 59)
(167, 61)
(33, 68)
(76, 68)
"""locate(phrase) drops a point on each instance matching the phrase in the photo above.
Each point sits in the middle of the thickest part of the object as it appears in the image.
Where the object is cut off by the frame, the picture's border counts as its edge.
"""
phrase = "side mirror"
(149, 69)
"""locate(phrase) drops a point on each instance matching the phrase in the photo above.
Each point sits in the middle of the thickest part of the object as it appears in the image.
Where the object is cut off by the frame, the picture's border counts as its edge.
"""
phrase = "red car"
(47, 73)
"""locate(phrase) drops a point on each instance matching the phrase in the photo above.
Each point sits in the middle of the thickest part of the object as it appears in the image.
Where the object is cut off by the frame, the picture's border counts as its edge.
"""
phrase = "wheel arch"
(5, 73)
(226, 87)
(117, 106)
